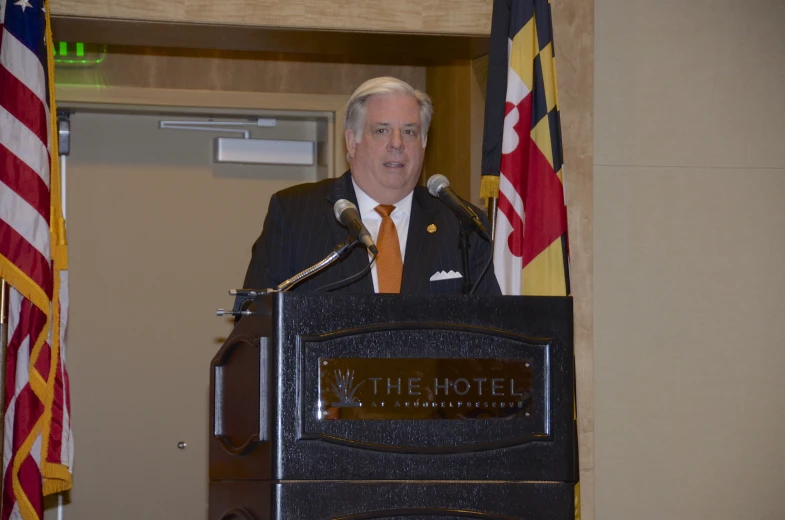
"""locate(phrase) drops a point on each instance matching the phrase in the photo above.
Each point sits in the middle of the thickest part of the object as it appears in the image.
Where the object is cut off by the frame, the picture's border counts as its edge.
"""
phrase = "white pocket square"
(442, 275)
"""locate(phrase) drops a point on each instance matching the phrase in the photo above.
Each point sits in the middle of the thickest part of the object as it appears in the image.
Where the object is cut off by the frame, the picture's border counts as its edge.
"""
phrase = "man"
(386, 130)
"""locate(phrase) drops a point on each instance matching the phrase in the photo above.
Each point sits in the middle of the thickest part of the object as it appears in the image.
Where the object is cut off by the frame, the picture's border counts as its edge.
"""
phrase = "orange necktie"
(389, 265)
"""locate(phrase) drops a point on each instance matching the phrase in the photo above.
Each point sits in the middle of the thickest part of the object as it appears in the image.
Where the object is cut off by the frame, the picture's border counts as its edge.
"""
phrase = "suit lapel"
(357, 260)
(420, 248)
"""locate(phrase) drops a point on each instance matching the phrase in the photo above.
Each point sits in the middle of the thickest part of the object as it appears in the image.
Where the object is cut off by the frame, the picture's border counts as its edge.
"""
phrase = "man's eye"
(381, 130)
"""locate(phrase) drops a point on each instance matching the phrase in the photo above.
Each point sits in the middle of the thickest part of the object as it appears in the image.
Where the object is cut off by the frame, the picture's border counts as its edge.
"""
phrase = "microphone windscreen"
(341, 206)
(437, 183)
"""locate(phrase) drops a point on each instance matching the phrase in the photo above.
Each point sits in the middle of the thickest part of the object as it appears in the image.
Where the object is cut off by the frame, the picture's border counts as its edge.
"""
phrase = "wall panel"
(573, 26)
(689, 182)
(688, 352)
(404, 16)
(694, 83)
(193, 69)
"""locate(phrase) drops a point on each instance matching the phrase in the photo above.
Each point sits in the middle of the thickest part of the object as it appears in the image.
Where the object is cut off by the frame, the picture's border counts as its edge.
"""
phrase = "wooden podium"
(395, 407)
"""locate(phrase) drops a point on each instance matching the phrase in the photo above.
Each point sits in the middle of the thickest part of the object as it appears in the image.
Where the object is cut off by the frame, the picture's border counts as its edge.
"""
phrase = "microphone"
(346, 213)
(439, 186)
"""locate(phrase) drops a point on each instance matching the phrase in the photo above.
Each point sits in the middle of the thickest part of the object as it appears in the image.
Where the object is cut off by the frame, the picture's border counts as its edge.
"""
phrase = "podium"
(395, 407)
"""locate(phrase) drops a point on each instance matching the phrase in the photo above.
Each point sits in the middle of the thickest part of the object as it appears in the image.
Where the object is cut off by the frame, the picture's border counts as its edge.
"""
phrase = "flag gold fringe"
(22, 283)
(489, 187)
(57, 477)
(577, 500)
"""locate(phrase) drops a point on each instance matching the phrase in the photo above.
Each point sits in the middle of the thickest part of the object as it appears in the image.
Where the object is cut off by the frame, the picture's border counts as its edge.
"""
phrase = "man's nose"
(396, 142)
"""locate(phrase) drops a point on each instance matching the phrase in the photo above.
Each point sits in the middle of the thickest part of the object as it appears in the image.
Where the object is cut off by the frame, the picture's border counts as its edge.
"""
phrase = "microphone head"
(437, 183)
(341, 206)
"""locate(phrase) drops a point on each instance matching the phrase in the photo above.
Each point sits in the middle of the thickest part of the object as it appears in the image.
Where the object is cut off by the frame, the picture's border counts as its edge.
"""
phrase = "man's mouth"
(393, 164)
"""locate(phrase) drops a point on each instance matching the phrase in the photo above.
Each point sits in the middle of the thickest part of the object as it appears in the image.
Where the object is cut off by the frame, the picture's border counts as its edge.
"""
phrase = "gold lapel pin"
(431, 228)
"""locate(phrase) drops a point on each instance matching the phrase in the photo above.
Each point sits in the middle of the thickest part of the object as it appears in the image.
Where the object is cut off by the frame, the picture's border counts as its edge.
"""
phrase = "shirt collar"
(366, 205)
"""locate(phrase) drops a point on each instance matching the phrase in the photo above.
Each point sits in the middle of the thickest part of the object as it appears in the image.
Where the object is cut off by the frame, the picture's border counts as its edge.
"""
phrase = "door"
(157, 235)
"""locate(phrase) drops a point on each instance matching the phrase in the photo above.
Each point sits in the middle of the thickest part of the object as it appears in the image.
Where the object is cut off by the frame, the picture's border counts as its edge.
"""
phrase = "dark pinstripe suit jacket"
(300, 230)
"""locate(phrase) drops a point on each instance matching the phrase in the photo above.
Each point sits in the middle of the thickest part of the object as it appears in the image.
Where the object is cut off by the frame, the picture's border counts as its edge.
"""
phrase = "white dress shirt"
(373, 221)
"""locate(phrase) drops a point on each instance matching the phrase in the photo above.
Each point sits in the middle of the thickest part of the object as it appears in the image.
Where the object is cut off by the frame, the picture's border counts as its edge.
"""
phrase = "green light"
(80, 53)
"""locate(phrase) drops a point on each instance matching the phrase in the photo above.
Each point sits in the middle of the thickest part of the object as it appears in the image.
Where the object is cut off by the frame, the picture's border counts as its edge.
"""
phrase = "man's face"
(387, 161)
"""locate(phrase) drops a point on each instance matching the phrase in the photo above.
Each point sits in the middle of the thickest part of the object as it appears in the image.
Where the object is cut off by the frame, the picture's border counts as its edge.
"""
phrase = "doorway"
(157, 235)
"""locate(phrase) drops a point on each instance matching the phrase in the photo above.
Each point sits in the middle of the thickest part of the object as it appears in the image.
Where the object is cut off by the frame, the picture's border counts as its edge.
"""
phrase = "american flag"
(38, 448)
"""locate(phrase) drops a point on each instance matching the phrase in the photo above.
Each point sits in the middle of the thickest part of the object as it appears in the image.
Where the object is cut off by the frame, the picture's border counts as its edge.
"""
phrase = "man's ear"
(351, 143)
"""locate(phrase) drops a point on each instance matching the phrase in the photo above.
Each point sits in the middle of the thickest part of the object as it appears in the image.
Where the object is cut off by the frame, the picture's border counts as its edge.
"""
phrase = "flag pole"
(4, 295)
(64, 148)
(492, 206)
(489, 191)
(4, 286)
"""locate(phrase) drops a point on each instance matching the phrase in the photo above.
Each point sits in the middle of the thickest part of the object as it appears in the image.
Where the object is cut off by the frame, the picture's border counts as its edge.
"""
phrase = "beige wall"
(688, 245)
(573, 27)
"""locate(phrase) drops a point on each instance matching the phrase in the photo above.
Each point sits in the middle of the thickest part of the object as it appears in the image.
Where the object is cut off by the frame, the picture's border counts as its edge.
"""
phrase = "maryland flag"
(522, 152)
(522, 156)
(37, 451)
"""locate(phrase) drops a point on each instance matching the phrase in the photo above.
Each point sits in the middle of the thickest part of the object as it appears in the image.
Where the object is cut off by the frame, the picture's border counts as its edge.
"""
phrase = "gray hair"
(354, 119)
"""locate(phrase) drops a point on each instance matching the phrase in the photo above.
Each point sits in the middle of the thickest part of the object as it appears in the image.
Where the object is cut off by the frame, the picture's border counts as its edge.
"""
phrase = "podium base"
(390, 500)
